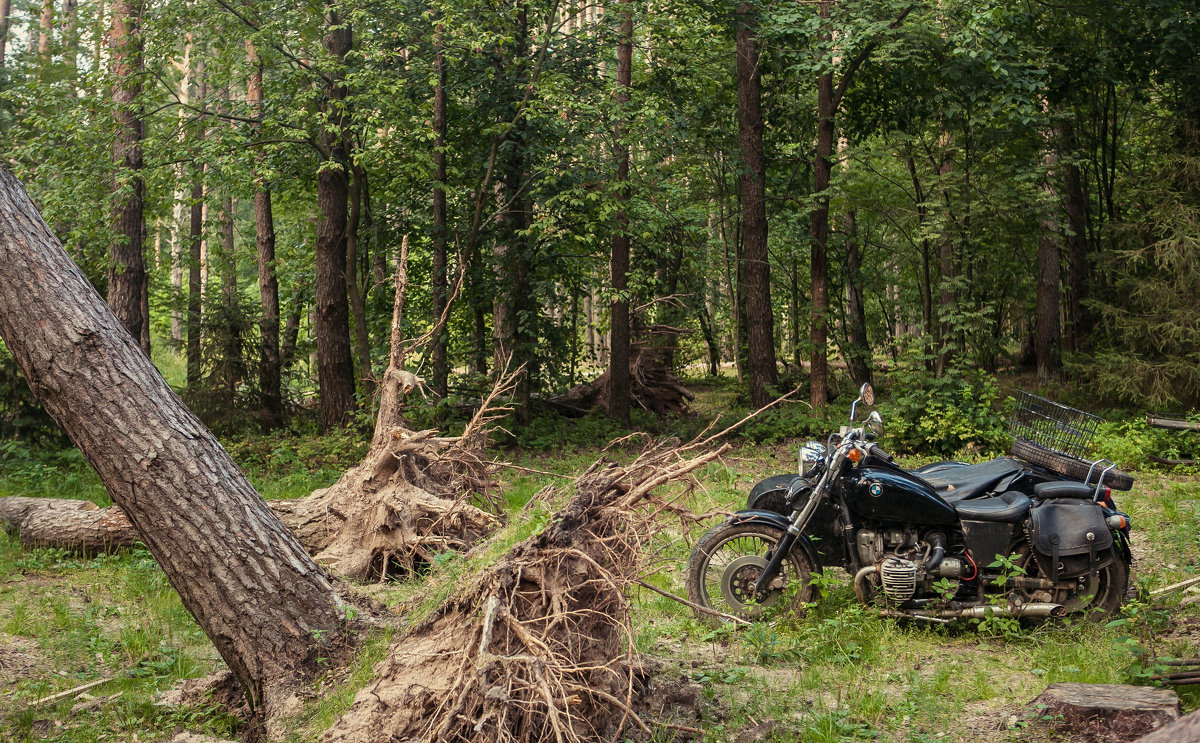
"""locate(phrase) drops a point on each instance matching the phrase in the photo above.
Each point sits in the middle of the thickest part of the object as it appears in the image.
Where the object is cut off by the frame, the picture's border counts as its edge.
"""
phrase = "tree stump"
(1184, 730)
(1108, 712)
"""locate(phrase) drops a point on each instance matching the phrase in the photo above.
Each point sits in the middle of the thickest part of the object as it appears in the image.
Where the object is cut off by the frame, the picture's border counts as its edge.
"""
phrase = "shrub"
(962, 410)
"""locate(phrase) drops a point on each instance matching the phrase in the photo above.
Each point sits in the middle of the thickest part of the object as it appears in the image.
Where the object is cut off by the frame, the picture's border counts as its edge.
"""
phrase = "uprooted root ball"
(536, 647)
(408, 500)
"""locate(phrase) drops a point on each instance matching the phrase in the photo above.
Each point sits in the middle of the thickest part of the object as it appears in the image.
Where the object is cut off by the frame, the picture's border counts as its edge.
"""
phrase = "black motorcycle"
(1034, 535)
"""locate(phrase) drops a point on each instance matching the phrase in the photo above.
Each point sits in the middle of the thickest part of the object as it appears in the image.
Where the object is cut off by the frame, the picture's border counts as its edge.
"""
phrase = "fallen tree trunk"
(267, 607)
(89, 532)
(538, 646)
(14, 509)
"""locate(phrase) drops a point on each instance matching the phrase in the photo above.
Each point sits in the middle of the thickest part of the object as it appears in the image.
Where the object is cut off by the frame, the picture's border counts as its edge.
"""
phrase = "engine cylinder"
(898, 578)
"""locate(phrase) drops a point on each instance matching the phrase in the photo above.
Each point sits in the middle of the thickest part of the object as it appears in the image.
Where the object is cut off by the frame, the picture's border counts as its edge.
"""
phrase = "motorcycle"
(1037, 534)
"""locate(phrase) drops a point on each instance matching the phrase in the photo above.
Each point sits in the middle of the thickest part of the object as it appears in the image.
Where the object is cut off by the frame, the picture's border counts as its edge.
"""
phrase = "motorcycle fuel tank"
(890, 494)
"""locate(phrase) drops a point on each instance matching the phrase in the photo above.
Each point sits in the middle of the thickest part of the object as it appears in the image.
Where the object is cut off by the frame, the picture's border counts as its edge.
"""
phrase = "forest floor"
(837, 673)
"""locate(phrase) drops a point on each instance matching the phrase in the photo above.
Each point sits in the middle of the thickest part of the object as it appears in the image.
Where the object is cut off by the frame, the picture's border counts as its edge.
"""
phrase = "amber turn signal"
(854, 455)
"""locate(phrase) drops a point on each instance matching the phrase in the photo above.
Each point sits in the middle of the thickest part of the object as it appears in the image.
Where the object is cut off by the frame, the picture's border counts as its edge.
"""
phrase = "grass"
(838, 672)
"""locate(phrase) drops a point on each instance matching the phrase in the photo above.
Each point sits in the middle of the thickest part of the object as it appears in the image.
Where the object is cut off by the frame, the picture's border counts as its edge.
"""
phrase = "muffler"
(1032, 609)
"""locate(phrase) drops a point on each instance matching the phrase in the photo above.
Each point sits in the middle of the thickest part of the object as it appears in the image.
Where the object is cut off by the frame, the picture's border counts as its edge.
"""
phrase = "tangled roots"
(537, 647)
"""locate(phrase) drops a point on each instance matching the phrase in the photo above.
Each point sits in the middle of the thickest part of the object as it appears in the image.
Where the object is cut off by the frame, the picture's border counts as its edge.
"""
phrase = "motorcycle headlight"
(811, 455)
(875, 423)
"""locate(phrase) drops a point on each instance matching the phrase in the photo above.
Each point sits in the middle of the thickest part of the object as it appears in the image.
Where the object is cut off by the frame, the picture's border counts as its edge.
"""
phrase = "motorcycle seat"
(973, 480)
(1006, 507)
(1064, 489)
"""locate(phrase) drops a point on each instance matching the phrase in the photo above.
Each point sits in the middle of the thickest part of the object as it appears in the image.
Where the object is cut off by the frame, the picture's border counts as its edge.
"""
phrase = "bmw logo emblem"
(876, 489)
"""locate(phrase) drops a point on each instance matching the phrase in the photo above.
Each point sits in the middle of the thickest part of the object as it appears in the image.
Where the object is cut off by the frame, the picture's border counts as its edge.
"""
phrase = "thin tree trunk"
(335, 368)
(5, 12)
(266, 606)
(231, 337)
(819, 270)
(195, 282)
(127, 278)
(45, 26)
(513, 311)
(1048, 341)
(756, 265)
(618, 365)
(358, 310)
(859, 357)
(1078, 317)
(439, 368)
(70, 32)
(269, 372)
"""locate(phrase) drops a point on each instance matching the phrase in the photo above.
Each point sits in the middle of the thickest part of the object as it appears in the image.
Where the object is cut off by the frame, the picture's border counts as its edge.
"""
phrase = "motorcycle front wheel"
(727, 562)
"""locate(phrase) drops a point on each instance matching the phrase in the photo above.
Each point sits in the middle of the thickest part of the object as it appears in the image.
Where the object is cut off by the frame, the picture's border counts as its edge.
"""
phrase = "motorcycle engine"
(905, 562)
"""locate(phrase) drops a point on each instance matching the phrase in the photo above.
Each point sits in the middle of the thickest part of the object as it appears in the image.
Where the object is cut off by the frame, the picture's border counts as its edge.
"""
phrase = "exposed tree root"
(537, 646)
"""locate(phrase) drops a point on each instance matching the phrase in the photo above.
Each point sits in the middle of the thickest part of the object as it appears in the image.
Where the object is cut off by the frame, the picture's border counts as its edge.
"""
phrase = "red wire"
(972, 561)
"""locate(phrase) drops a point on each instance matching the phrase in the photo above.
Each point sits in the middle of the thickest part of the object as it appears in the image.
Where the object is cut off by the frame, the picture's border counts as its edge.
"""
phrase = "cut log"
(89, 532)
(14, 509)
(1174, 425)
(1108, 713)
(1184, 730)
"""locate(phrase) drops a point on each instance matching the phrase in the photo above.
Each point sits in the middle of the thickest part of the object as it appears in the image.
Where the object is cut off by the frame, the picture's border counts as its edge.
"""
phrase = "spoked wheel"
(728, 561)
(1093, 596)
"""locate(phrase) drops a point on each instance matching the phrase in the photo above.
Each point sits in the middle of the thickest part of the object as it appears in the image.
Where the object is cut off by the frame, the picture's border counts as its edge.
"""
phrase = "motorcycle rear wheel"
(1096, 596)
(728, 559)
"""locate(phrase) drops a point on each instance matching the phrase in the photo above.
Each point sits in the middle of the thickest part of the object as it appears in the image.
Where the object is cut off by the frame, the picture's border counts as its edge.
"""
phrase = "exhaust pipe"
(1032, 609)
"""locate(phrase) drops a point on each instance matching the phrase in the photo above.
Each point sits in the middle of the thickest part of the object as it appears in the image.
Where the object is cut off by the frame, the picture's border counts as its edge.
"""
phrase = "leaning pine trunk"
(250, 585)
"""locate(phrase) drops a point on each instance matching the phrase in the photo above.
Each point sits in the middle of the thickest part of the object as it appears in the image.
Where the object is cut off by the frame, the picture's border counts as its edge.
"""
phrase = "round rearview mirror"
(875, 423)
(867, 393)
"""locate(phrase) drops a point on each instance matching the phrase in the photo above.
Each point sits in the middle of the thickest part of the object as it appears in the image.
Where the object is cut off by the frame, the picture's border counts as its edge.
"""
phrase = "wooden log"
(85, 527)
(1184, 730)
(89, 532)
(1174, 425)
(15, 509)
(1108, 712)
(1173, 462)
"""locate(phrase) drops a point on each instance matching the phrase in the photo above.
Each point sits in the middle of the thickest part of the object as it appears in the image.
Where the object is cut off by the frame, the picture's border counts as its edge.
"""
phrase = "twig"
(743, 421)
(1176, 586)
(510, 465)
(68, 693)
(697, 607)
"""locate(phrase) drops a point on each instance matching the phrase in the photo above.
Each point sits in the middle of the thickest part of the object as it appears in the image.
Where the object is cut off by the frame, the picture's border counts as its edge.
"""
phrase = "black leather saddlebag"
(1060, 528)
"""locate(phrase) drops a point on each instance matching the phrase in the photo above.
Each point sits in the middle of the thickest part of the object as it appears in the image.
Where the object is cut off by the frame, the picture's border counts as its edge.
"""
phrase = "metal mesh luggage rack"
(1053, 426)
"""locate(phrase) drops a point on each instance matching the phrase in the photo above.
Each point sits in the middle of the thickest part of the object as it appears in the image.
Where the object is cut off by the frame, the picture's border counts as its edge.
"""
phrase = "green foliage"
(959, 412)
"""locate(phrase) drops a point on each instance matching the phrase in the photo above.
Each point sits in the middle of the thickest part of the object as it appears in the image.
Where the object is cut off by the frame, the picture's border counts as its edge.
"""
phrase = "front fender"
(770, 518)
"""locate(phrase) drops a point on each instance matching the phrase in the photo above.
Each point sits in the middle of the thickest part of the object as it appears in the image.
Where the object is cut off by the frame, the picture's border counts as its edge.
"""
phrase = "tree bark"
(250, 585)
(5, 12)
(756, 265)
(195, 282)
(269, 371)
(818, 263)
(335, 369)
(1048, 342)
(45, 26)
(513, 311)
(440, 367)
(618, 363)
(128, 282)
(354, 293)
(1078, 318)
(859, 357)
